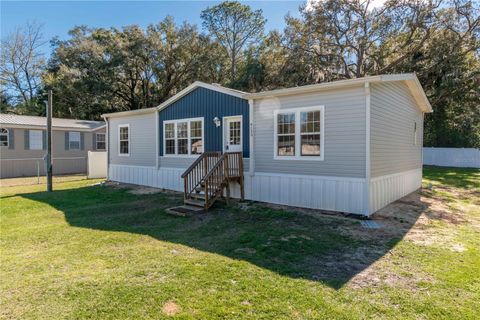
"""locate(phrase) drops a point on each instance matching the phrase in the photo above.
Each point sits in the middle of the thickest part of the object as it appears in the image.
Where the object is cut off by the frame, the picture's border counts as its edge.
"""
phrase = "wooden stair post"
(211, 173)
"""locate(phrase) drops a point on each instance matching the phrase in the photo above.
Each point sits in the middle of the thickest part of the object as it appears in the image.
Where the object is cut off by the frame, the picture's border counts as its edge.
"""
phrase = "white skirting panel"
(386, 189)
(316, 192)
(165, 178)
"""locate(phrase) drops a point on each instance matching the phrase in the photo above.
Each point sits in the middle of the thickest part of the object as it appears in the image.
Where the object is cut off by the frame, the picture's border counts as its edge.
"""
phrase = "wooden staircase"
(207, 178)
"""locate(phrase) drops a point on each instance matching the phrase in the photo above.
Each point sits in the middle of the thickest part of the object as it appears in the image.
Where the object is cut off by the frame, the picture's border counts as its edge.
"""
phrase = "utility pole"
(48, 156)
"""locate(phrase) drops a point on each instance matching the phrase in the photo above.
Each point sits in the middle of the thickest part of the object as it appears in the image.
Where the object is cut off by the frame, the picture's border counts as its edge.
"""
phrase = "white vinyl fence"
(452, 157)
(97, 164)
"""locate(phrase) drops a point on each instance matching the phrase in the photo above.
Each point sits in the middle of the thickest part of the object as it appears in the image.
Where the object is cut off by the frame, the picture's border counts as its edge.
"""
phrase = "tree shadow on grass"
(305, 244)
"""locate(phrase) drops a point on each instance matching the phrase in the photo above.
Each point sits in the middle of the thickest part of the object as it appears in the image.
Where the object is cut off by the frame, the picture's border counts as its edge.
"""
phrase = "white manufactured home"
(350, 146)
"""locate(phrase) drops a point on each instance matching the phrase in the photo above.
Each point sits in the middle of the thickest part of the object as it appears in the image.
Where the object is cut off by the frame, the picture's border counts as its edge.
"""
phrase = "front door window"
(233, 134)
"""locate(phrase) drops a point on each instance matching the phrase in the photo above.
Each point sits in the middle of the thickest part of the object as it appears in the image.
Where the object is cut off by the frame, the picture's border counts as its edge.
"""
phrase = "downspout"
(252, 137)
(367, 150)
(157, 139)
(107, 141)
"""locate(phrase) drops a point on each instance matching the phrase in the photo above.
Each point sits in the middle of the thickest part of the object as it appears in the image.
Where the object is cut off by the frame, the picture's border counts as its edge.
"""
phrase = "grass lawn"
(97, 251)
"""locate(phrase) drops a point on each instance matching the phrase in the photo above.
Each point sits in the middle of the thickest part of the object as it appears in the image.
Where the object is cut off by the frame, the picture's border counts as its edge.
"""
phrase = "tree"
(448, 66)
(234, 26)
(107, 70)
(22, 64)
(353, 39)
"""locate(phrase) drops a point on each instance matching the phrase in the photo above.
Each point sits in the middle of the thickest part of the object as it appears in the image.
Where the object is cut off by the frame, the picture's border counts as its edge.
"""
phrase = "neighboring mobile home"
(23, 144)
(351, 146)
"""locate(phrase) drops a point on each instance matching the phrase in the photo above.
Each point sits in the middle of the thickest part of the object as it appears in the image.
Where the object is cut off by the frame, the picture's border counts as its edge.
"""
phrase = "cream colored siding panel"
(19, 161)
(344, 134)
(393, 116)
(142, 140)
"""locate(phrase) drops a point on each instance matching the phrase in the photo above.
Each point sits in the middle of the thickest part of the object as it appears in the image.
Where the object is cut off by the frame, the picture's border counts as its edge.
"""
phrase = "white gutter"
(40, 127)
(251, 128)
(107, 141)
(157, 140)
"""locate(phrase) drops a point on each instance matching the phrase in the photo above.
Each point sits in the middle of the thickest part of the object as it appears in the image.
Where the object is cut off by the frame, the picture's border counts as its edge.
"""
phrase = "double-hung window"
(4, 137)
(35, 139)
(183, 137)
(298, 133)
(100, 141)
(74, 140)
(124, 140)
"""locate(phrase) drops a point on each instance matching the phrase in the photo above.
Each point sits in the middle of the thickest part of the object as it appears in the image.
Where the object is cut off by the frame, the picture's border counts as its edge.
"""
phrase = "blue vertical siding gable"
(206, 103)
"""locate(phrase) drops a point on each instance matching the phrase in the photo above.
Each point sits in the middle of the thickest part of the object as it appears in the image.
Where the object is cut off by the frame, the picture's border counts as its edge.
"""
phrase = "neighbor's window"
(3, 137)
(74, 140)
(299, 133)
(100, 140)
(183, 137)
(35, 139)
(124, 140)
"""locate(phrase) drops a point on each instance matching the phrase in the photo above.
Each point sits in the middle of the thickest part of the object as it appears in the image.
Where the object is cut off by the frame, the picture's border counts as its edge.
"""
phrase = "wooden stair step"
(198, 196)
(195, 202)
(184, 211)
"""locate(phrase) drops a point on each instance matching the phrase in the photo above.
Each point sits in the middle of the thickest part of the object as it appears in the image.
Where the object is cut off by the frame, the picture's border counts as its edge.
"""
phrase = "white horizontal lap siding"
(393, 114)
(344, 150)
(142, 140)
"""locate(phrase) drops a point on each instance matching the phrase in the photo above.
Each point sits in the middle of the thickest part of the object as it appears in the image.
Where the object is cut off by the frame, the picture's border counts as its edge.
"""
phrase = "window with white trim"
(299, 133)
(35, 140)
(74, 140)
(124, 140)
(183, 137)
(310, 133)
(286, 134)
(100, 141)
(4, 137)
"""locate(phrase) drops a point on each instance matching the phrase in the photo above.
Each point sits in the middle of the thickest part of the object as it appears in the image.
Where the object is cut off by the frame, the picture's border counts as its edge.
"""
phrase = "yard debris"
(293, 236)
(246, 250)
(170, 308)
(458, 248)
(370, 224)
(140, 190)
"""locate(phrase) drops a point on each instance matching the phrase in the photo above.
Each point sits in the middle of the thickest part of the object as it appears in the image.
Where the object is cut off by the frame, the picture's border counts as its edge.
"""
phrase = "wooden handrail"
(212, 172)
(197, 161)
(194, 175)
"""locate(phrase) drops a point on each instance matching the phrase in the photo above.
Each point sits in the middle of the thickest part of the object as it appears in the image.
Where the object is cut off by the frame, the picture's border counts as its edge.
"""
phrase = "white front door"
(232, 135)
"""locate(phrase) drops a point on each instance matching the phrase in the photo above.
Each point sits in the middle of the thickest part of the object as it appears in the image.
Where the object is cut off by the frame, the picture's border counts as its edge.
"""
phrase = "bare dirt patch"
(170, 308)
(424, 218)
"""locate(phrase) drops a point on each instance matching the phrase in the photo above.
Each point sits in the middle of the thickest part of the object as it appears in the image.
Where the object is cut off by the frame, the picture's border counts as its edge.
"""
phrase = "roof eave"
(199, 84)
(410, 78)
(128, 113)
